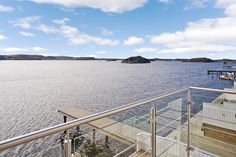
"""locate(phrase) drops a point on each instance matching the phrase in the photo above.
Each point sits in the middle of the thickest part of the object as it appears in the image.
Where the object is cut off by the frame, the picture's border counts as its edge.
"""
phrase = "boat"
(225, 77)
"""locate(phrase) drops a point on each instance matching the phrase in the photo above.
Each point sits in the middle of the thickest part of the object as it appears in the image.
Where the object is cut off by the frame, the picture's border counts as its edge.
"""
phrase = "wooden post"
(106, 140)
(65, 119)
(94, 136)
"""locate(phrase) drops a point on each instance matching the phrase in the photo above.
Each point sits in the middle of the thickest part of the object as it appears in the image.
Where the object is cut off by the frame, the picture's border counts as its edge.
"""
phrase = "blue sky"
(119, 28)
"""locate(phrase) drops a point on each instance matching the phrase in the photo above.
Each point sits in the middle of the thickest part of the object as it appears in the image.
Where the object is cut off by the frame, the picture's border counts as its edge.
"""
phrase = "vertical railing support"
(153, 131)
(189, 106)
(67, 143)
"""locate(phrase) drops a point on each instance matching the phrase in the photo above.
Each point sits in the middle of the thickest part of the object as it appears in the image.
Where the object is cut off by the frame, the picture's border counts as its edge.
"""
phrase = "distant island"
(197, 60)
(136, 60)
(41, 57)
(133, 59)
(203, 60)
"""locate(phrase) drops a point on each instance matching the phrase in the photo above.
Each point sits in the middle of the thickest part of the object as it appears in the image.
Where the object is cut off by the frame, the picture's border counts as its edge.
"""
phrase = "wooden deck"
(116, 130)
(203, 142)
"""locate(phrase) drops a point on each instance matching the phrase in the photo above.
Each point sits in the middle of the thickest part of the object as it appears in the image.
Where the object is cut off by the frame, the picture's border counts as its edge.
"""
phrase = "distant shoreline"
(41, 57)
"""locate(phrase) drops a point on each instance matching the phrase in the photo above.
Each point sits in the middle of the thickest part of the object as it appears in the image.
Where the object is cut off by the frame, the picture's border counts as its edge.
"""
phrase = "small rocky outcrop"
(203, 60)
(136, 60)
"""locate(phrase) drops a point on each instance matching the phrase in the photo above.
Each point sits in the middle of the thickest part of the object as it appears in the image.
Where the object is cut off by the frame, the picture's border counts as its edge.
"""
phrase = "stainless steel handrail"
(228, 91)
(65, 126)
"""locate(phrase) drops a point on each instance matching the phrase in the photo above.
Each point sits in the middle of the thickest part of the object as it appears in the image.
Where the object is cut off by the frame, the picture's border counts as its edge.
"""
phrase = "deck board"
(116, 130)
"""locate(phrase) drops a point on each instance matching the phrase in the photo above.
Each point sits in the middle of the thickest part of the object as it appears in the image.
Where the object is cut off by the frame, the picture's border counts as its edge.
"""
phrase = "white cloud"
(45, 28)
(38, 49)
(32, 22)
(133, 41)
(6, 8)
(2, 37)
(195, 4)
(145, 50)
(165, 1)
(228, 5)
(68, 10)
(205, 48)
(209, 35)
(199, 3)
(109, 6)
(202, 31)
(19, 50)
(101, 52)
(76, 37)
(26, 34)
(25, 23)
(105, 31)
(60, 21)
(14, 50)
(71, 33)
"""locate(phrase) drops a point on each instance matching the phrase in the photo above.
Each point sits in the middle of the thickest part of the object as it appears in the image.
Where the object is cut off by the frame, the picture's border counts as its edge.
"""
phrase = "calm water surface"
(32, 91)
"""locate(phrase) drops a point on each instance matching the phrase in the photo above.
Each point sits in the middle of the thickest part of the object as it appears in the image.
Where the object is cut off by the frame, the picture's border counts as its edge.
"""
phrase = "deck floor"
(202, 142)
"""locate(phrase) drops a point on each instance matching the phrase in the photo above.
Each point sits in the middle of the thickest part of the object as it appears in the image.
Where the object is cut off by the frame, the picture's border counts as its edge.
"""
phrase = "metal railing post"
(153, 131)
(189, 106)
(67, 143)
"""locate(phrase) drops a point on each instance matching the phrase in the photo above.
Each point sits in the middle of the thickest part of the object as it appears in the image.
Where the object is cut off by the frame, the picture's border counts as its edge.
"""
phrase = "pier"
(221, 71)
(107, 126)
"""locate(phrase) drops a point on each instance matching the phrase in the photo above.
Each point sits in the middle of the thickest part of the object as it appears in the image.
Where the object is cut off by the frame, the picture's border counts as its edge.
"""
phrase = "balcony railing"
(190, 122)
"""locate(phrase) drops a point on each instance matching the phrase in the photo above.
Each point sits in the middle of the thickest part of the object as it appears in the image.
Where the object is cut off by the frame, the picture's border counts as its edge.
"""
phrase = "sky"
(119, 28)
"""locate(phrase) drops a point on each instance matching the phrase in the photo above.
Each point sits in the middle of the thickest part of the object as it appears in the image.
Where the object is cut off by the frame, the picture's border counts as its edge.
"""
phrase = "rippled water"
(31, 91)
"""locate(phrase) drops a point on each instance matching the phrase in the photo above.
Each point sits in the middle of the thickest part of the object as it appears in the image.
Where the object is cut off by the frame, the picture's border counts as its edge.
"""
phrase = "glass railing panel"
(115, 135)
(53, 151)
(127, 127)
(213, 124)
(170, 120)
(48, 146)
(90, 142)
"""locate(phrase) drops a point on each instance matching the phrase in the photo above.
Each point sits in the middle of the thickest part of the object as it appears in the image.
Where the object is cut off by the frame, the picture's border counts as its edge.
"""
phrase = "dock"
(107, 126)
(221, 71)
